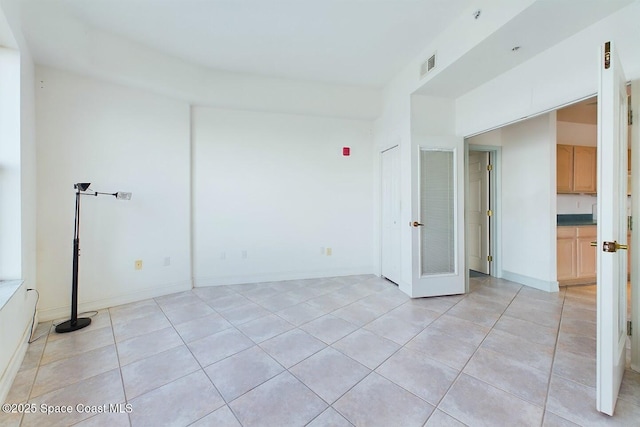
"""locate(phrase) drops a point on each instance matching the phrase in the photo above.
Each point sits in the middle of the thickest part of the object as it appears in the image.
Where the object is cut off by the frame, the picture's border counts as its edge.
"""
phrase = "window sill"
(7, 289)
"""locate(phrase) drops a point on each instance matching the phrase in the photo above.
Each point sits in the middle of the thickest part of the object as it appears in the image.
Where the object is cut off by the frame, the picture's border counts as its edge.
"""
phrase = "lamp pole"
(76, 323)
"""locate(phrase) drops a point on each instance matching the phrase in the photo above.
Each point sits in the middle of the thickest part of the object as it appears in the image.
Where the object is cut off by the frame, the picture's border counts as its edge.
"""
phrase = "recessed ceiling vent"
(428, 65)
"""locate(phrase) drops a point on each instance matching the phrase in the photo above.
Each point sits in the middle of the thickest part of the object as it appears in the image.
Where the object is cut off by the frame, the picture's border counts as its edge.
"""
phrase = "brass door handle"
(416, 224)
(613, 246)
(594, 244)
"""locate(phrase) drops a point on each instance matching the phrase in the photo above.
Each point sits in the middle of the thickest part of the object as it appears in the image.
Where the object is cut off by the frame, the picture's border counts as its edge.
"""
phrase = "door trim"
(635, 232)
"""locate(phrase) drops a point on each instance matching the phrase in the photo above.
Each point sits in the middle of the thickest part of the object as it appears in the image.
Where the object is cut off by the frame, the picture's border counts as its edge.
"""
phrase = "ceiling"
(540, 26)
(353, 42)
(585, 112)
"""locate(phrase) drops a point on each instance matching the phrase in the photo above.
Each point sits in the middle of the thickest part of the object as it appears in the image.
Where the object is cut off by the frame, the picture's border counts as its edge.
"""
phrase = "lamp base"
(70, 326)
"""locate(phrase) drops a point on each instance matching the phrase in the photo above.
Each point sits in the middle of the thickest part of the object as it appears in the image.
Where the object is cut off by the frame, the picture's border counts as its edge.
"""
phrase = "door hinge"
(490, 258)
(489, 168)
(630, 223)
(489, 212)
(607, 55)
(630, 115)
(629, 328)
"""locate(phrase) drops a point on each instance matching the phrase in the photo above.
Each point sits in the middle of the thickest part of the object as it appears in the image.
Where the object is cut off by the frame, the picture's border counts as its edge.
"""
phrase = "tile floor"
(327, 352)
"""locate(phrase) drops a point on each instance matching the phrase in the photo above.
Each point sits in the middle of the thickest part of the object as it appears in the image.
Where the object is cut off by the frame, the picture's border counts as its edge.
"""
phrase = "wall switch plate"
(167, 261)
(329, 251)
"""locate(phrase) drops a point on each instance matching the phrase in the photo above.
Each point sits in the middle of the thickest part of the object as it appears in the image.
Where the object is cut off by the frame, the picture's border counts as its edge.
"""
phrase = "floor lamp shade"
(75, 323)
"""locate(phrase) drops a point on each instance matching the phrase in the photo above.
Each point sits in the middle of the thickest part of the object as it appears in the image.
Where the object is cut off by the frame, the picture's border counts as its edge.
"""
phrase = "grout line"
(115, 344)
(325, 346)
(475, 351)
(553, 360)
(37, 367)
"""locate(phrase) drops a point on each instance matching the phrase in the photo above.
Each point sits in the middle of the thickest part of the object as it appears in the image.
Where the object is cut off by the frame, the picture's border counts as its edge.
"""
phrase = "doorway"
(482, 202)
(479, 212)
(390, 214)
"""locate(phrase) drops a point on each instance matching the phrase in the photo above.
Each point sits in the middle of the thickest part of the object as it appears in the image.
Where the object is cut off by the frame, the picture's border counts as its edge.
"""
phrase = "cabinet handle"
(594, 244)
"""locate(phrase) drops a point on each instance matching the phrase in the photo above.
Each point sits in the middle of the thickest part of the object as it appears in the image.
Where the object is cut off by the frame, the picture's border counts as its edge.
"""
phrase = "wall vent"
(428, 65)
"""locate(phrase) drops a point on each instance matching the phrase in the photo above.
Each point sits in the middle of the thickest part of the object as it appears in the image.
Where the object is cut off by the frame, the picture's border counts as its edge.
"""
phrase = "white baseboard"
(63, 312)
(275, 277)
(6, 381)
(543, 285)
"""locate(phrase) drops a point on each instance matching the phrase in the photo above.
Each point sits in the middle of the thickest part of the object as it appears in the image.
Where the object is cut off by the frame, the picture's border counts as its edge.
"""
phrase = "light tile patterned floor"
(339, 351)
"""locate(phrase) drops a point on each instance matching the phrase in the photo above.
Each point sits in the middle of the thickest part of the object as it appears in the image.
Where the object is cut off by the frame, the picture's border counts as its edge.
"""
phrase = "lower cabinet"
(576, 257)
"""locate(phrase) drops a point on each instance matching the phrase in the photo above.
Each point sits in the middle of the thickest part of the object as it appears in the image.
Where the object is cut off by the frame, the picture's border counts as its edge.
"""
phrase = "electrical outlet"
(321, 250)
(244, 254)
(329, 251)
(167, 261)
(138, 264)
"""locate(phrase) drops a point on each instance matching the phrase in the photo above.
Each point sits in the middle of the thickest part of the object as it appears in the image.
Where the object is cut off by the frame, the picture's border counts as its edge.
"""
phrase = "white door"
(390, 221)
(478, 211)
(612, 229)
(437, 206)
(635, 236)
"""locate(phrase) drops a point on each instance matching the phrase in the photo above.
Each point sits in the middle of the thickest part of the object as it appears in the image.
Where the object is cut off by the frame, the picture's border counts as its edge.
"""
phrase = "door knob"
(417, 224)
(613, 246)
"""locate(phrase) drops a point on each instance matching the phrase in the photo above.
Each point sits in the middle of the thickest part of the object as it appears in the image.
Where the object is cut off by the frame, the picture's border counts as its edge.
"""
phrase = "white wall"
(492, 138)
(117, 138)
(560, 75)
(16, 306)
(577, 134)
(403, 112)
(28, 169)
(576, 203)
(271, 190)
(17, 192)
(112, 58)
(528, 202)
(10, 218)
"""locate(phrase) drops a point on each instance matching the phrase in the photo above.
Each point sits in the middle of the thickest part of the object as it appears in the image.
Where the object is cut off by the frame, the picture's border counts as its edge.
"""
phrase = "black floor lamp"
(73, 324)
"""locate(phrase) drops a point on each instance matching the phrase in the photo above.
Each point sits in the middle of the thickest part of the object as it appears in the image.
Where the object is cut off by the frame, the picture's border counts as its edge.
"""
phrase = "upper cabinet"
(576, 169)
(584, 169)
(564, 165)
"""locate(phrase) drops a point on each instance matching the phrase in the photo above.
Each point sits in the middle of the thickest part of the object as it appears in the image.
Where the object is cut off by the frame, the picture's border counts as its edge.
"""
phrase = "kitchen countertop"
(574, 220)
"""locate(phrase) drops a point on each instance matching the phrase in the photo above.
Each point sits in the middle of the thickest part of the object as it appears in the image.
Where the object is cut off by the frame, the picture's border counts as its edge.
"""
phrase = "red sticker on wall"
(346, 151)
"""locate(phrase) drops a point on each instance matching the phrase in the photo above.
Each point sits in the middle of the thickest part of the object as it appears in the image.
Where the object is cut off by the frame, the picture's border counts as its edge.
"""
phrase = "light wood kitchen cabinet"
(575, 255)
(586, 253)
(564, 167)
(567, 253)
(577, 258)
(576, 169)
(584, 169)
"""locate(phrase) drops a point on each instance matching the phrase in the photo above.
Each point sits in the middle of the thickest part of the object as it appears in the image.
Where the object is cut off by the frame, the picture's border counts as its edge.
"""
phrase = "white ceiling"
(355, 42)
(537, 28)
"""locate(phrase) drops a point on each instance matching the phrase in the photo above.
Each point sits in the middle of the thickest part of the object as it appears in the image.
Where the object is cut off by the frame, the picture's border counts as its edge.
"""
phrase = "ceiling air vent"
(428, 65)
